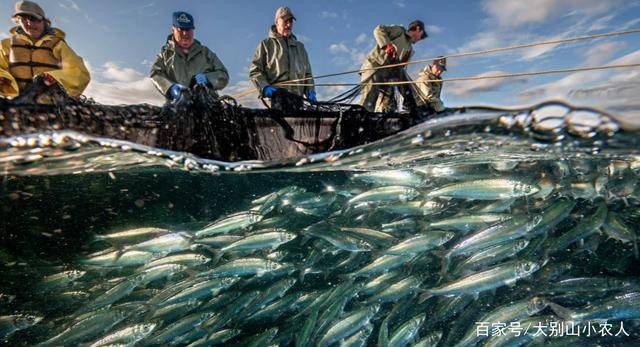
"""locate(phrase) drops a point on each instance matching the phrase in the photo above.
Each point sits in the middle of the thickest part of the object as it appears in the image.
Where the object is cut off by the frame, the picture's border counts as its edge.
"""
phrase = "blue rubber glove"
(312, 96)
(201, 78)
(268, 91)
(175, 91)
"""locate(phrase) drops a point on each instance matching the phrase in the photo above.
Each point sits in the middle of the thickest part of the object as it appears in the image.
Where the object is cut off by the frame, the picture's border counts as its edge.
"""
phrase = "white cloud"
(338, 48)
(69, 5)
(117, 93)
(483, 40)
(304, 39)
(362, 38)
(400, 3)
(433, 29)
(328, 15)
(112, 71)
(3, 35)
(630, 24)
(509, 13)
(115, 85)
(467, 88)
(602, 52)
(513, 14)
(614, 90)
(145, 10)
(244, 87)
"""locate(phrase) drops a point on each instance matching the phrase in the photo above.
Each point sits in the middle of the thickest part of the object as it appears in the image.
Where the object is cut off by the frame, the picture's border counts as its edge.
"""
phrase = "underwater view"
(487, 227)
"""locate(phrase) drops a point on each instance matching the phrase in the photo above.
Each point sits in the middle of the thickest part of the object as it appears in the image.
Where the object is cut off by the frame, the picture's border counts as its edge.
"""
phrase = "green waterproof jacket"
(279, 59)
(385, 34)
(173, 66)
(428, 92)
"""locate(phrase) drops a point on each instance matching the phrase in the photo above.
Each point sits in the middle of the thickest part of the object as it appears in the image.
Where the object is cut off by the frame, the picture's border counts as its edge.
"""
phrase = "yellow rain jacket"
(22, 59)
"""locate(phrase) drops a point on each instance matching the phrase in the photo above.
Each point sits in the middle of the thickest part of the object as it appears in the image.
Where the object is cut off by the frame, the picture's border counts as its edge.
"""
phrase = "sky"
(119, 40)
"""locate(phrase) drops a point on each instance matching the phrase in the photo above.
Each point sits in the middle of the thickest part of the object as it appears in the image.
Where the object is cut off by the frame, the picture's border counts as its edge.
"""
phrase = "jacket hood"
(171, 44)
(273, 34)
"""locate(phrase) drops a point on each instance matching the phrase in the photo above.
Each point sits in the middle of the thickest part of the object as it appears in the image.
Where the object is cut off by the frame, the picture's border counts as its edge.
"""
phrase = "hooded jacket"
(384, 35)
(278, 59)
(428, 92)
(22, 59)
(173, 66)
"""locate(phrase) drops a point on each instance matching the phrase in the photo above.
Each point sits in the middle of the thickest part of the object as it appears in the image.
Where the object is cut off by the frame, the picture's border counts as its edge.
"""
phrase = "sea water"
(320, 223)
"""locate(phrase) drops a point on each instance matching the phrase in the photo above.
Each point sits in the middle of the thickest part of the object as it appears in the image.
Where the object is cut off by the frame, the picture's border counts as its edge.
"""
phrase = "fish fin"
(561, 311)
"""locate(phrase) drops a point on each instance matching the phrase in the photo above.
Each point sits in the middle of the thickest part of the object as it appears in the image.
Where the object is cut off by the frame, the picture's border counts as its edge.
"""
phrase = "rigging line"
(457, 55)
(473, 78)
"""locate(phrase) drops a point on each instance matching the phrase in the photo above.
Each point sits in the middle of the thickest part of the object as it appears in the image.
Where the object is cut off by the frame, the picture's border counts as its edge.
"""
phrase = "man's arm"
(381, 35)
(159, 75)
(307, 74)
(216, 72)
(8, 84)
(74, 75)
(258, 68)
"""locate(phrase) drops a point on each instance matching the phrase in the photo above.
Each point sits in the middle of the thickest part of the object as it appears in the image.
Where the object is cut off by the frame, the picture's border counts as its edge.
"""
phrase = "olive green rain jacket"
(279, 59)
(428, 93)
(173, 66)
(385, 34)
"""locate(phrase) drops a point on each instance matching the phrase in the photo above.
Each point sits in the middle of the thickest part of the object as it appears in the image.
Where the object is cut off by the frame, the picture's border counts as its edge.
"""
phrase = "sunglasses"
(25, 17)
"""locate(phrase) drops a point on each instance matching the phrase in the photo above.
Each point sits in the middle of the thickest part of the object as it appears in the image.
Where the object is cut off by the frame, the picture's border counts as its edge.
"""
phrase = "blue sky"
(119, 40)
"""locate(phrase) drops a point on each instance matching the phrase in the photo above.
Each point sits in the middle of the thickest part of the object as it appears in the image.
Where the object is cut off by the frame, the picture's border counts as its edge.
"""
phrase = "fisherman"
(393, 46)
(184, 62)
(429, 86)
(37, 58)
(279, 58)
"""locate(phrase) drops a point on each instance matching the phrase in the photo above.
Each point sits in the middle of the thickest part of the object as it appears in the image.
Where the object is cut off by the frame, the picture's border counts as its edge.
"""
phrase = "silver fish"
(488, 189)
(232, 223)
(129, 335)
(407, 331)
(385, 194)
(169, 243)
(391, 178)
(498, 276)
(348, 325)
(13, 323)
(421, 243)
(267, 240)
(132, 235)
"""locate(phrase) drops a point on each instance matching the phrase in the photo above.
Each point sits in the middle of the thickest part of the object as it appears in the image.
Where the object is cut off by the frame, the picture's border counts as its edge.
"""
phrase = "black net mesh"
(210, 126)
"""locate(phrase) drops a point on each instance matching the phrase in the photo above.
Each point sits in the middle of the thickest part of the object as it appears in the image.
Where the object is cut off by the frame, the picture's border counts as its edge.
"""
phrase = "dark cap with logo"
(440, 62)
(183, 20)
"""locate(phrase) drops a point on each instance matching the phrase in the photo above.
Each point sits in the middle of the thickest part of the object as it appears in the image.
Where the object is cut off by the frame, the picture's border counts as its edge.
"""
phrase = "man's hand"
(312, 96)
(268, 91)
(391, 51)
(48, 80)
(176, 91)
(201, 78)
